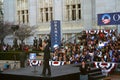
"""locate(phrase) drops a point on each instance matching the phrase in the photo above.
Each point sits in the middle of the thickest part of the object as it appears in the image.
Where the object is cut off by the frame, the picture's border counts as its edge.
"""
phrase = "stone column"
(58, 9)
(70, 11)
(32, 12)
(25, 15)
(44, 15)
(86, 14)
(76, 11)
(20, 17)
(9, 10)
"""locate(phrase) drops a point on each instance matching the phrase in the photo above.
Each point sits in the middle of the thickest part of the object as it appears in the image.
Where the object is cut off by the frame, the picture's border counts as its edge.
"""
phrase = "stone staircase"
(95, 74)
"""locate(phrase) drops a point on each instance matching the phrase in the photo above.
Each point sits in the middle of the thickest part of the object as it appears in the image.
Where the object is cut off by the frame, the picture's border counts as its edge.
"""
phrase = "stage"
(66, 72)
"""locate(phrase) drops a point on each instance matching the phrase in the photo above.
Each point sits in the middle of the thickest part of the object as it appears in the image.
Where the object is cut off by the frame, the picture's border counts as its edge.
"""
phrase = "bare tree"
(23, 32)
(5, 29)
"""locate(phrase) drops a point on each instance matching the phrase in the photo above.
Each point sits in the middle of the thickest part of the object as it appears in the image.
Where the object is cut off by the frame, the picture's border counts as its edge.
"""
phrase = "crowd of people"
(99, 45)
(22, 46)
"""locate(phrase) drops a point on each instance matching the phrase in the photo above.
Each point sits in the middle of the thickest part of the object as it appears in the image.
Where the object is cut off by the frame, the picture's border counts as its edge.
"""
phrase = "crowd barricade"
(107, 67)
(51, 63)
(57, 63)
(99, 31)
(34, 62)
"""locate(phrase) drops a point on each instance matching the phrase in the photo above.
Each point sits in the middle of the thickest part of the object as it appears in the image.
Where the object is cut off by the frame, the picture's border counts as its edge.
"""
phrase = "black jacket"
(46, 52)
(84, 71)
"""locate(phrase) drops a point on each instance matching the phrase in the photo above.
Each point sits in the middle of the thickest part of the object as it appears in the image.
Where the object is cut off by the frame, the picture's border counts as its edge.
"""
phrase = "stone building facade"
(75, 15)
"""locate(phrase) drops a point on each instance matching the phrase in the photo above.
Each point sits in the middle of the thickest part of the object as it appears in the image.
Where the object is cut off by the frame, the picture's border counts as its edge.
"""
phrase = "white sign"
(32, 56)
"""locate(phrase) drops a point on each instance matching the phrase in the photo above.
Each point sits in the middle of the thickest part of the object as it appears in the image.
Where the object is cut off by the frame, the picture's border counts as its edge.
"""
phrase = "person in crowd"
(4, 48)
(114, 59)
(55, 56)
(84, 68)
(119, 58)
(40, 41)
(6, 66)
(92, 47)
(91, 53)
(35, 42)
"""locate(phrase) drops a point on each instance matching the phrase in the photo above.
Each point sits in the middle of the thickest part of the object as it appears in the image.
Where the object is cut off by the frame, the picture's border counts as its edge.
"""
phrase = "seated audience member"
(6, 66)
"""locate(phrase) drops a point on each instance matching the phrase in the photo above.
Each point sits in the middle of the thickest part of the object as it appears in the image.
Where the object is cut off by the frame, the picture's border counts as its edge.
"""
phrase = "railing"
(73, 37)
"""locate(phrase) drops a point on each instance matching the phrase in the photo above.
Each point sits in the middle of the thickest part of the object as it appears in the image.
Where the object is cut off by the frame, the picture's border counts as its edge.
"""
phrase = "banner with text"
(109, 18)
(55, 34)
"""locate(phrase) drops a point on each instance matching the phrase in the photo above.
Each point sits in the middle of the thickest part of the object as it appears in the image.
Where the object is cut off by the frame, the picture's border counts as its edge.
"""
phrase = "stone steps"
(95, 74)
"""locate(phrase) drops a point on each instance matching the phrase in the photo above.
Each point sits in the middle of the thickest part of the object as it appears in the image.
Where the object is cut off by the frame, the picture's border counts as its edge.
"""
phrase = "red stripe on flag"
(56, 62)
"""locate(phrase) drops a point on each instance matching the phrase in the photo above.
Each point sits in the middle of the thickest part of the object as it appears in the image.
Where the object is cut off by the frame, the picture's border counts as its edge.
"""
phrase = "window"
(73, 12)
(27, 16)
(51, 14)
(79, 11)
(68, 12)
(23, 16)
(46, 14)
(22, 11)
(46, 9)
(41, 11)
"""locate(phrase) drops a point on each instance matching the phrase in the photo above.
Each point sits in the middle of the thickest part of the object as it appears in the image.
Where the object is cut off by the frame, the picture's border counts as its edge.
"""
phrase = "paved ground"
(113, 77)
(56, 71)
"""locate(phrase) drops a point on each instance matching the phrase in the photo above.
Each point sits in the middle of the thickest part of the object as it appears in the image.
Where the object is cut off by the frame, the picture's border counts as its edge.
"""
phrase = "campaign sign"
(32, 56)
(55, 34)
(109, 18)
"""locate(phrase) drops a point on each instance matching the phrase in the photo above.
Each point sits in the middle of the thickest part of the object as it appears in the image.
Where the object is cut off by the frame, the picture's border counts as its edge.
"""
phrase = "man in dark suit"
(46, 49)
(40, 41)
(35, 43)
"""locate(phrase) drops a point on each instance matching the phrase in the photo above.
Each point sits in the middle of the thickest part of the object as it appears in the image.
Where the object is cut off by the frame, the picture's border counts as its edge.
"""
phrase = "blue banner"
(55, 34)
(109, 18)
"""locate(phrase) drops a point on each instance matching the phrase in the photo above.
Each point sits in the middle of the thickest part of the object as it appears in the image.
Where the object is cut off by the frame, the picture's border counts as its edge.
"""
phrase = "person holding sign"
(45, 48)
